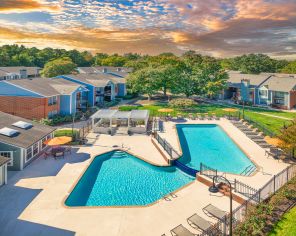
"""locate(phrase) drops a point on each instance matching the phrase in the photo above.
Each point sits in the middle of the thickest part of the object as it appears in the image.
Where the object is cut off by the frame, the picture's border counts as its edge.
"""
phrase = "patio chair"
(180, 230)
(47, 153)
(190, 116)
(68, 150)
(215, 117)
(196, 221)
(199, 116)
(214, 211)
(180, 116)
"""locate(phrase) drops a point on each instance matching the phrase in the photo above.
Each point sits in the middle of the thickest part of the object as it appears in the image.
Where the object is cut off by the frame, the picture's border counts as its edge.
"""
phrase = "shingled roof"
(281, 83)
(26, 137)
(47, 86)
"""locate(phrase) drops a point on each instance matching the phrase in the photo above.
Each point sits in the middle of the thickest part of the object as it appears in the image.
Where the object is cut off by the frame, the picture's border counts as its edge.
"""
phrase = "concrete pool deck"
(32, 201)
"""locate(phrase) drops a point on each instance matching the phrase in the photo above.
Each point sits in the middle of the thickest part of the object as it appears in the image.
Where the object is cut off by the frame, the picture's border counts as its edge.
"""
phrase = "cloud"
(215, 27)
(19, 6)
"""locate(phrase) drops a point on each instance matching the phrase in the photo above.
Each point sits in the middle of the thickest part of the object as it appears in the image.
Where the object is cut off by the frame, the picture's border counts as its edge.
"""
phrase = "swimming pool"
(120, 179)
(210, 145)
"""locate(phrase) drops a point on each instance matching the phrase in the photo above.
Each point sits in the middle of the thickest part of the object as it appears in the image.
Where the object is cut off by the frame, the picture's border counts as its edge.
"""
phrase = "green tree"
(289, 68)
(60, 66)
(114, 60)
(99, 57)
(143, 82)
(254, 64)
(210, 78)
(288, 136)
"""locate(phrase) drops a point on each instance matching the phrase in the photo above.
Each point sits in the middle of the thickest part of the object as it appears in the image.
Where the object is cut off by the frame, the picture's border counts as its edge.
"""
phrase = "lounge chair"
(199, 116)
(214, 211)
(180, 230)
(190, 116)
(215, 117)
(198, 222)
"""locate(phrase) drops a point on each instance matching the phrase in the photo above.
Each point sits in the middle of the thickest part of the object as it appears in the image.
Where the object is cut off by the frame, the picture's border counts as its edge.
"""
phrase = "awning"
(139, 114)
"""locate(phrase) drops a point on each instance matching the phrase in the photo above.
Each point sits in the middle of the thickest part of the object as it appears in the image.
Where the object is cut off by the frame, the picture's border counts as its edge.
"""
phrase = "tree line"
(14, 55)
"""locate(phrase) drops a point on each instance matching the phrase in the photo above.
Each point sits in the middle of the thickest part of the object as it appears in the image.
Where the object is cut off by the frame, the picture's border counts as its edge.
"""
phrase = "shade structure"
(165, 110)
(230, 109)
(58, 141)
(273, 141)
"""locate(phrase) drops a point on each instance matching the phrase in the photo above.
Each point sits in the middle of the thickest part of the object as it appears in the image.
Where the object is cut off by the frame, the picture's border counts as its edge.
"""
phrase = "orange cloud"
(10, 6)
(260, 9)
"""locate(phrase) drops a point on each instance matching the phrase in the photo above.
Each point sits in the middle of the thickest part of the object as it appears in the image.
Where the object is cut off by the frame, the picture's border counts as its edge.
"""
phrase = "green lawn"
(271, 123)
(287, 225)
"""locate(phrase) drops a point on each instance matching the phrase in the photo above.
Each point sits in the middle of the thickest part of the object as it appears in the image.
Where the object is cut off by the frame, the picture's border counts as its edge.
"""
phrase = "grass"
(273, 124)
(286, 226)
(65, 132)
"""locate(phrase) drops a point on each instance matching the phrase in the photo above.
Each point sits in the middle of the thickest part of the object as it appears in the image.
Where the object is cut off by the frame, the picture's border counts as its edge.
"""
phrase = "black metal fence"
(246, 190)
(240, 213)
(84, 131)
(207, 171)
(166, 146)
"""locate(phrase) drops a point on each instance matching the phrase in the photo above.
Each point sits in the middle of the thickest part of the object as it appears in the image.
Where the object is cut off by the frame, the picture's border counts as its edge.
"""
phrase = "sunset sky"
(219, 28)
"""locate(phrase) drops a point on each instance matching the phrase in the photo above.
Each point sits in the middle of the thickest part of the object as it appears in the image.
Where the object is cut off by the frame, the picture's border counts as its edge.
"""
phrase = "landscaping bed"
(261, 219)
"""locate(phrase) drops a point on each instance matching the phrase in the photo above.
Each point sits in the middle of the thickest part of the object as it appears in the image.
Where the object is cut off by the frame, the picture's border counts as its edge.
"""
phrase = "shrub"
(128, 108)
(182, 102)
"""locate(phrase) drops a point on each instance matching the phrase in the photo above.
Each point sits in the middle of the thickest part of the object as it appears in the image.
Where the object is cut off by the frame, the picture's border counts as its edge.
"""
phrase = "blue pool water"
(210, 145)
(120, 179)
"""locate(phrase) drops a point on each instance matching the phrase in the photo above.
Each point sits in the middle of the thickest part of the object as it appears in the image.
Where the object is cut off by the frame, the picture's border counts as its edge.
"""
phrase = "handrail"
(166, 146)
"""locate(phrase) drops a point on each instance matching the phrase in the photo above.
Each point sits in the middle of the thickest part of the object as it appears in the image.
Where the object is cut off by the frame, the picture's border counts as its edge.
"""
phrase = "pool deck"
(32, 201)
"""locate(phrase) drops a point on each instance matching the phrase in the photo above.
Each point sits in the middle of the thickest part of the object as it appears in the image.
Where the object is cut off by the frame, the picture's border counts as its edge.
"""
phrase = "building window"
(263, 93)
(28, 154)
(52, 113)
(35, 149)
(52, 100)
(43, 145)
(9, 155)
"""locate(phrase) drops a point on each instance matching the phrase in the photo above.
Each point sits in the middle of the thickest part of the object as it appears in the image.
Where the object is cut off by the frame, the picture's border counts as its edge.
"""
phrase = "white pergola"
(103, 120)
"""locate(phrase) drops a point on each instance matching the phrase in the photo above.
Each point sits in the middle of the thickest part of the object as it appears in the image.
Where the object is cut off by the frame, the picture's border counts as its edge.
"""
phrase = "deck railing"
(241, 212)
(166, 146)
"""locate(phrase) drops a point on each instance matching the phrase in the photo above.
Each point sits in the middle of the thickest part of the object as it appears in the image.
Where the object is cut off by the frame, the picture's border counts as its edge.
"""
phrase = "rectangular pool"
(210, 145)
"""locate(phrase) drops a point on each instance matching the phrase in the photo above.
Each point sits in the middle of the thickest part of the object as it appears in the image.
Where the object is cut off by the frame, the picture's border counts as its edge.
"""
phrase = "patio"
(32, 202)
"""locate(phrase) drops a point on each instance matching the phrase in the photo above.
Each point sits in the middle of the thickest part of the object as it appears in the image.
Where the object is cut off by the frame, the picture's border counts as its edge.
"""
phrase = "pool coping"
(242, 149)
(117, 207)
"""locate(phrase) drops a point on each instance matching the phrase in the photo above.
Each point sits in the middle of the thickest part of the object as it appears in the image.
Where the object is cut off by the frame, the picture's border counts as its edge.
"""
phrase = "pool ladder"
(248, 170)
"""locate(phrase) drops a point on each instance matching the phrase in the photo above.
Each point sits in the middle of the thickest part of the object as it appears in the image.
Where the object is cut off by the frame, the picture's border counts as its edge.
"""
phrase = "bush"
(182, 102)
(65, 132)
(128, 108)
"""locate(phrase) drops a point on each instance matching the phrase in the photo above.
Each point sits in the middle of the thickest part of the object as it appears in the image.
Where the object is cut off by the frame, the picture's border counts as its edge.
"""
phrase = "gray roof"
(97, 80)
(16, 69)
(3, 160)
(47, 86)
(104, 114)
(114, 69)
(281, 83)
(139, 114)
(25, 138)
(115, 114)
(235, 79)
